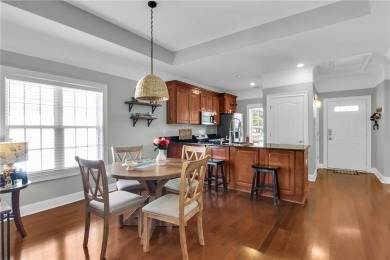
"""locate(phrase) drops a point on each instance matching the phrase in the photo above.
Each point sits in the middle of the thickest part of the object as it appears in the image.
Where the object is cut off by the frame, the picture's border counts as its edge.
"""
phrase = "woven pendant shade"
(151, 88)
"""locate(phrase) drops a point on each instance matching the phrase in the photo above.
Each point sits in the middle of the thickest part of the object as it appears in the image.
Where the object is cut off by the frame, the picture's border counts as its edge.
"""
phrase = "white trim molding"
(313, 177)
(379, 175)
(55, 202)
(325, 128)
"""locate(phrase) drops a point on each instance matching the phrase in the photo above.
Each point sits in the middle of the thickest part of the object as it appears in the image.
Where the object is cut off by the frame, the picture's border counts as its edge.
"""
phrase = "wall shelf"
(148, 118)
(131, 103)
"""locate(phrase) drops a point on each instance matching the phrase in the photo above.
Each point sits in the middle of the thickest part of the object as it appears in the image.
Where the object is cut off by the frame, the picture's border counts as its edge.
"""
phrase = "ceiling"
(209, 43)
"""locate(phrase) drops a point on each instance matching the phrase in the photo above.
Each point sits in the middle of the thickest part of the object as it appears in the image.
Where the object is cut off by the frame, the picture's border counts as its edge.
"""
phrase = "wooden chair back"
(120, 154)
(193, 152)
(95, 184)
(191, 183)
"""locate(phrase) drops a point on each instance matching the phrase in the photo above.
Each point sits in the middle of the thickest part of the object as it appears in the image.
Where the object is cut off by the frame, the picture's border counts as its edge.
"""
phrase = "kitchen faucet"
(230, 129)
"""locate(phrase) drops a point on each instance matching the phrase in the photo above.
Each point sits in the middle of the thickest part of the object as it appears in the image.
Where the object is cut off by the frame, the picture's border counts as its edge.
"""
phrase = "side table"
(15, 214)
(5, 211)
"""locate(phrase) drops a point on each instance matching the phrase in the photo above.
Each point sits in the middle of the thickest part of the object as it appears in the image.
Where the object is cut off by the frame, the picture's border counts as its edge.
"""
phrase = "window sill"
(48, 176)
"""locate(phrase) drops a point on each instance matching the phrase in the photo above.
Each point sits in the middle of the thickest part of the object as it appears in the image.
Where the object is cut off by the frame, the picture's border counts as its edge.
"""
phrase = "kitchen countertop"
(251, 145)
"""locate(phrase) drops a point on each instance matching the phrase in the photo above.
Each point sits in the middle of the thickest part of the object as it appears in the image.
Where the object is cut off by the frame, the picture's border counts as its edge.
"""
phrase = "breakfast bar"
(239, 158)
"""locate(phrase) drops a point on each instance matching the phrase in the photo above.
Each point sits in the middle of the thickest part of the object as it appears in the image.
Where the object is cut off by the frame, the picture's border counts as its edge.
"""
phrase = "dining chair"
(177, 209)
(188, 153)
(121, 154)
(100, 201)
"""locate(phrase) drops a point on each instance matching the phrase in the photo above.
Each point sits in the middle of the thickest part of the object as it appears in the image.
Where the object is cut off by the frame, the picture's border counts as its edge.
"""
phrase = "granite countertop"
(250, 145)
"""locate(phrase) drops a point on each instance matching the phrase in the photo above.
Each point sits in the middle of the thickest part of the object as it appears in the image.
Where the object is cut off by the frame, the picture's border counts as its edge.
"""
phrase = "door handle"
(330, 138)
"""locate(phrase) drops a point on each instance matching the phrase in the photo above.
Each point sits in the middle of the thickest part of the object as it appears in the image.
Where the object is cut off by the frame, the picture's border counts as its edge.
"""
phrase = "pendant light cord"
(151, 39)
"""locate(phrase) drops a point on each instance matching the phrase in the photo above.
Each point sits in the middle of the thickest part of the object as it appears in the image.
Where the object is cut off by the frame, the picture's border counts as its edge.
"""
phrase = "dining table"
(152, 176)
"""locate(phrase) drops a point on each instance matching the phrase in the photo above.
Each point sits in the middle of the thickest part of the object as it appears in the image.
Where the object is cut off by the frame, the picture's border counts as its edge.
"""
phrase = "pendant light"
(151, 87)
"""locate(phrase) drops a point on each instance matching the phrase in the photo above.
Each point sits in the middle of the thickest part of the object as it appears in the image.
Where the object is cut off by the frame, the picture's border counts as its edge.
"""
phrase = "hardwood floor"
(345, 217)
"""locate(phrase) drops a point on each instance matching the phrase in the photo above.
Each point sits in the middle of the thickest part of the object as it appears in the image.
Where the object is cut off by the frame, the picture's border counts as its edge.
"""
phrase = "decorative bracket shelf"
(148, 118)
(131, 103)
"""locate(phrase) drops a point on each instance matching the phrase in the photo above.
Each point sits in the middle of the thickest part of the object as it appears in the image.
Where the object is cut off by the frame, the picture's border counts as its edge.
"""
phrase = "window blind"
(59, 120)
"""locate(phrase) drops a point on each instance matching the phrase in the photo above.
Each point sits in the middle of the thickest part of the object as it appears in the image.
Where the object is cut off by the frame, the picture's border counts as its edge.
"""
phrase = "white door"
(287, 119)
(347, 133)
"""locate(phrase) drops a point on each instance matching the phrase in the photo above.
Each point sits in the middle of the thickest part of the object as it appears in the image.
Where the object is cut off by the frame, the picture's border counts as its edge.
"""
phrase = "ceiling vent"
(351, 64)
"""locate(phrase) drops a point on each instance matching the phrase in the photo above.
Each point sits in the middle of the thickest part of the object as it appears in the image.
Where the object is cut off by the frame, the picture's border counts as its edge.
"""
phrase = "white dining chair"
(177, 209)
(188, 153)
(121, 154)
(98, 200)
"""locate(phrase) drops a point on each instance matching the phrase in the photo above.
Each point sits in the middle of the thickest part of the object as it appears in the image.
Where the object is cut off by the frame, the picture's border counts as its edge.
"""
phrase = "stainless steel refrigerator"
(233, 122)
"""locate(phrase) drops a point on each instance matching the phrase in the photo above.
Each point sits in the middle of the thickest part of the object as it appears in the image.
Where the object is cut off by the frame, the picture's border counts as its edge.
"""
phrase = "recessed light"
(238, 76)
(300, 65)
(252, 84)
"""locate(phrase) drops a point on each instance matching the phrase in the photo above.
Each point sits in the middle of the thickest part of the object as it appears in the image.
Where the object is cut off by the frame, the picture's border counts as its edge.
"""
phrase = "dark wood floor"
(345, 217)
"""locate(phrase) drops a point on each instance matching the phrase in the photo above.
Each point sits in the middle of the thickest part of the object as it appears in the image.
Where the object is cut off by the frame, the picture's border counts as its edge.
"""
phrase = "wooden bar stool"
(5, 211)
(216, 164)
(259, 185)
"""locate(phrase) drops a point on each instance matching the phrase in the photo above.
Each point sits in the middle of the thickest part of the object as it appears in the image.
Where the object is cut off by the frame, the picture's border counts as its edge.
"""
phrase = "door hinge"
(270, 107)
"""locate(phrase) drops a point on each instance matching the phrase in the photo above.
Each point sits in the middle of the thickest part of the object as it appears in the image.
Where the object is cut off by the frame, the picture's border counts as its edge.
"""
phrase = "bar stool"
(5, 211)
(257, 185)
(215, 164)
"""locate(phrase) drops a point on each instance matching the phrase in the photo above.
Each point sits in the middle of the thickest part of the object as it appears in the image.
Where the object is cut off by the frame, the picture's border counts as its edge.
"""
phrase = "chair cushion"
(174, 184)
(168, 205)
(128, 185)
(119, 200)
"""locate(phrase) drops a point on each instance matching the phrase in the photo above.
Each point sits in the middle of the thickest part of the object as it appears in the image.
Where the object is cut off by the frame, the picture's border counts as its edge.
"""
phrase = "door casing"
(325, 127)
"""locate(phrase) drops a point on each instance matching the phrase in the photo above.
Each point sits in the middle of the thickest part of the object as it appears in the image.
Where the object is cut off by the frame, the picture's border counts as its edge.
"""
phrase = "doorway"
(287, 119)
(347, 136)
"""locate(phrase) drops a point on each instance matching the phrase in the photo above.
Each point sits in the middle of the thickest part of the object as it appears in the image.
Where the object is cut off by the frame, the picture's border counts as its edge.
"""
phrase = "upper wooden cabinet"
(227, 103)
(186, 101)
(183, 106)
(216, 109)
(206, 101)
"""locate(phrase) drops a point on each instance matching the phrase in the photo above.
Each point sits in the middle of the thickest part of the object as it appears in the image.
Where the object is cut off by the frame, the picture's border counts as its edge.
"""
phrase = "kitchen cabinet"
(194, 105)
(241, 161)
(183, 106)
(227, 103)
(186, 101)
(206, 101)
(292, 173)
(292, 163)
(216, 109)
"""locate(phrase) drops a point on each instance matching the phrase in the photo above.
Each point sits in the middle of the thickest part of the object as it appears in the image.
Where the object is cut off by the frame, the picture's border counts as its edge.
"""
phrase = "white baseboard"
(313, 176)
(321, 166)
(380, 177)
(55, 202)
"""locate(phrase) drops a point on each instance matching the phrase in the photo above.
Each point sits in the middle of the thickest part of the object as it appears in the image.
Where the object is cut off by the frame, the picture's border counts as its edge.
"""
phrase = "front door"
(347, 133)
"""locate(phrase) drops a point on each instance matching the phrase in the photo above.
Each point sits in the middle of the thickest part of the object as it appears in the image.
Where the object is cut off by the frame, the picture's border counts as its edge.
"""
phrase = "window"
(255, 124)
(59, 120)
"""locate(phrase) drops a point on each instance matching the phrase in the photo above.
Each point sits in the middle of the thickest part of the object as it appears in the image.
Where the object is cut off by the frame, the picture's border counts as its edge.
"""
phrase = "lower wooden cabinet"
(292, 174)
(241, 161)
(293, 168)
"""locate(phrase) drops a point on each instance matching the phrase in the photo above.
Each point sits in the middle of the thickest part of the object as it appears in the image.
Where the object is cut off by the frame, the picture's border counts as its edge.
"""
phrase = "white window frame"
(56, 80)
(249, 125)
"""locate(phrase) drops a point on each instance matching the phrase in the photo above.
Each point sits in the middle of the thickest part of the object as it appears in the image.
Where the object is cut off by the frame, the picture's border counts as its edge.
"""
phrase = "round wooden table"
(15, 190)
(152, 178)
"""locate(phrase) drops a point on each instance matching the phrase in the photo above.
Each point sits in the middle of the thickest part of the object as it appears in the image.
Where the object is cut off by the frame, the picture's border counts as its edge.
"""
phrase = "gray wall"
(309, 88)
(120, 129)
(380, 138)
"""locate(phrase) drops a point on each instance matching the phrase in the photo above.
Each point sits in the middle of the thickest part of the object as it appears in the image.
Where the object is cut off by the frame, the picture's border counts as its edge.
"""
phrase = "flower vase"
(161, 156)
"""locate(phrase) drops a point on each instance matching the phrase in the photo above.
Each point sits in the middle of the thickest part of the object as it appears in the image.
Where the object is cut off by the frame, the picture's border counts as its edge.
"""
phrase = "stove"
(204, 139)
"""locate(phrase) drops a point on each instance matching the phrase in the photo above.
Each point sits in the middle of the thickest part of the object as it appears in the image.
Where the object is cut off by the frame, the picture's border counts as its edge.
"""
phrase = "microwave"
(207, 118)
